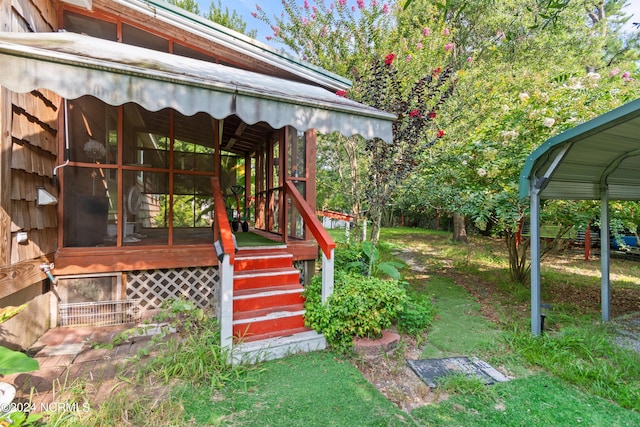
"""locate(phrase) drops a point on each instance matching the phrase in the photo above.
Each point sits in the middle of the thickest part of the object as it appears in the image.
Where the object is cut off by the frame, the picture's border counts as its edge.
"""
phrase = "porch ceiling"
(74, 65)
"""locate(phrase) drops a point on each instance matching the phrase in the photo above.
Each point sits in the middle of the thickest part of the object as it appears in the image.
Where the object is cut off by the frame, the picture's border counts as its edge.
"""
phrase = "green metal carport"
(597, 160)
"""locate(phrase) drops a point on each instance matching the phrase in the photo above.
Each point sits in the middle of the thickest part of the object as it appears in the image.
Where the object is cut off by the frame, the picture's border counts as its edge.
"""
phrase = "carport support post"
(534, 228)
(605, 254)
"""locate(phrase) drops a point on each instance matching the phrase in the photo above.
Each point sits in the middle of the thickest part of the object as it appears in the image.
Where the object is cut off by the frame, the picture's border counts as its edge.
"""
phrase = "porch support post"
(327, 276)
(226, 302)
(534, 226)
(605, 253)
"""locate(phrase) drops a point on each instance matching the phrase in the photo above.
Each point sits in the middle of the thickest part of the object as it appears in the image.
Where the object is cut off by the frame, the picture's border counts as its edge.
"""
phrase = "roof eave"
(237, 41)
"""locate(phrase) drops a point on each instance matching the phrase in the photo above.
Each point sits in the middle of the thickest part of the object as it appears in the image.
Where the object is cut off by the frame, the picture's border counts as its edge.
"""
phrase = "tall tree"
(223, 16)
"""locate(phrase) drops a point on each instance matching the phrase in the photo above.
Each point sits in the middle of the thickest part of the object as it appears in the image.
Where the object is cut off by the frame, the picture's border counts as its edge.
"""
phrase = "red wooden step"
(255, 299)
(268, 335)
(258, 322)
(265, 278)
(260, 259)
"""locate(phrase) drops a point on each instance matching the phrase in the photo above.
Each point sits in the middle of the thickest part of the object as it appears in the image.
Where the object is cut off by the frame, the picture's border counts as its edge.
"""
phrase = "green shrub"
(359, 307)
(416, 315)
(350, 258)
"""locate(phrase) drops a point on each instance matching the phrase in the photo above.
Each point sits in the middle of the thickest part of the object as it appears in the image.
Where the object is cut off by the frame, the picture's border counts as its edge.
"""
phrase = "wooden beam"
(14, 278)
(238, 132)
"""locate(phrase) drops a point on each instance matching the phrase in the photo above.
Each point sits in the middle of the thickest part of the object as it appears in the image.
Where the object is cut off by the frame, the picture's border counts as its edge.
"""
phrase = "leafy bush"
(359, 307)
(350, 258)
(416, 315)
(355, 258)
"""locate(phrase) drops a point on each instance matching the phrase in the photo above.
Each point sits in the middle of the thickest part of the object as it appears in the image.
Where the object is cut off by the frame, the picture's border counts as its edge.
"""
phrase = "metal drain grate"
(99, 313)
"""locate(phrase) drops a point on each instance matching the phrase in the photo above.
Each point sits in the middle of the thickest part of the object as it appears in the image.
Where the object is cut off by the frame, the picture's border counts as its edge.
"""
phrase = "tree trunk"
(459, 228)
(438, 219)
(518, 267)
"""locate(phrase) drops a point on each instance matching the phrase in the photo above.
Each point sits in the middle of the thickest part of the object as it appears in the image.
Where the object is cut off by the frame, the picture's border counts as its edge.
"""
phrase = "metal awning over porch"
(74, 65)
(597, 160)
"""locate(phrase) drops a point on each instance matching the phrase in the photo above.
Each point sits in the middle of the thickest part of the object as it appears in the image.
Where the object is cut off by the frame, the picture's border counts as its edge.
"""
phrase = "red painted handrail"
(319, 233)
(221, 220)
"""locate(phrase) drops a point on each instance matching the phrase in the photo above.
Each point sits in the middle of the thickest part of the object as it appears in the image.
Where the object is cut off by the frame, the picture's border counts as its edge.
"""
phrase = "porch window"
(137, 177)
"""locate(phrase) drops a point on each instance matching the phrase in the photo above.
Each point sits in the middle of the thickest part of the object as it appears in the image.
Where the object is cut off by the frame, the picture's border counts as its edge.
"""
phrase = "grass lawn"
(317, 389)
(537, 400)
(573, 375)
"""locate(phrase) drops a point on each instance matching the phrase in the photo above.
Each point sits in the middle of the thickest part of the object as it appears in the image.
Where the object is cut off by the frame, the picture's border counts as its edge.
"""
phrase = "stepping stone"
(432, 370)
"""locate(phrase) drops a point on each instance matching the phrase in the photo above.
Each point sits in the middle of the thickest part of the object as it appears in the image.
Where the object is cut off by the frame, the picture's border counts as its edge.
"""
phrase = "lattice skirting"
(200, 285)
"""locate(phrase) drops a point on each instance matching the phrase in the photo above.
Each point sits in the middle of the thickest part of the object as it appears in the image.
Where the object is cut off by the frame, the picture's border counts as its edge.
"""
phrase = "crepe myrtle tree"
(414, 130)
(407, 71)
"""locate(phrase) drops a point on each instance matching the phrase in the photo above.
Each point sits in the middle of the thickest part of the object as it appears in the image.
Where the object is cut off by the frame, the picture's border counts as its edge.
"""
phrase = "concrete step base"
(277, 348)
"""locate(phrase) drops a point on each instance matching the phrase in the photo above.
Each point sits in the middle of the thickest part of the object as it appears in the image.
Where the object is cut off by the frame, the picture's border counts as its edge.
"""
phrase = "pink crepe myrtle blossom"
(360, 4)
(419, 45)
(342, 2)
(385, 8)
(469, 60)
(448, 47)
(426, 31)
(353, 8)
(614, 72)
(306, 4)
(446, 32)
(626, 76)
(408, 58)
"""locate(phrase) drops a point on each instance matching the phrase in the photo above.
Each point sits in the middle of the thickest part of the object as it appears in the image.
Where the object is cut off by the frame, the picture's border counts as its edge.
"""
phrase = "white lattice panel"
(197, 284)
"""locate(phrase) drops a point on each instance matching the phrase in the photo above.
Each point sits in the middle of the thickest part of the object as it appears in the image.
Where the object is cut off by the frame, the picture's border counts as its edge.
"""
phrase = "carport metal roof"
(597, 160)
(578, 163)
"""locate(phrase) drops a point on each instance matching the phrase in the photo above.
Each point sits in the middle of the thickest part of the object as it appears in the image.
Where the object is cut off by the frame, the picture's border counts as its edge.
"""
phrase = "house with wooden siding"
(149, 154)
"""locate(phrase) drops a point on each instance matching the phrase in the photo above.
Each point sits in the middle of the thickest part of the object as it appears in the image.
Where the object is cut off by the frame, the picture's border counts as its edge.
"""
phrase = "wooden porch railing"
(222, 233)
(222, 228)
(325, 241)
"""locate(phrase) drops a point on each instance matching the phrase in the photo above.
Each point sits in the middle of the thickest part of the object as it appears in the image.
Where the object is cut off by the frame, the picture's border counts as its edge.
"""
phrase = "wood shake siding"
(29, 149)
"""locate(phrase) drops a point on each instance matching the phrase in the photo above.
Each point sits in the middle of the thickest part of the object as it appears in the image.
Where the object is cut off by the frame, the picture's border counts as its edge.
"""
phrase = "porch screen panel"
(192, 209)
(297, 151)
(145, 207)
(295, 223)
(90, 183)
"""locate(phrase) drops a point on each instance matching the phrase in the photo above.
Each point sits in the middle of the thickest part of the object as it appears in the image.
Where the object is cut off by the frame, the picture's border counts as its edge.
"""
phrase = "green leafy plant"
(359, 307)
(19, 419)
(416, 315)
(359, 258)
(12, 362)
(377, 267)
